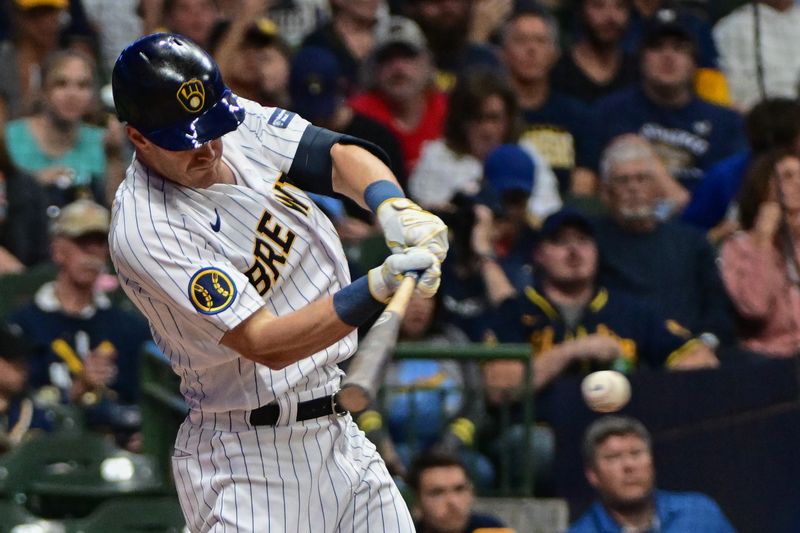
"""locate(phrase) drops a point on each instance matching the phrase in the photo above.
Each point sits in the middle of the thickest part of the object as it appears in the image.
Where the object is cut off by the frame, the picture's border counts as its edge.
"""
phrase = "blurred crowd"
(621, 179)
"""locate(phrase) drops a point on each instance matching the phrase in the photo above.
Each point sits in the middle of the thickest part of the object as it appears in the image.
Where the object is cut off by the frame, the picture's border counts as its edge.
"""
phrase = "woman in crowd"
(482, 115)
(760, 263)
(66, 155)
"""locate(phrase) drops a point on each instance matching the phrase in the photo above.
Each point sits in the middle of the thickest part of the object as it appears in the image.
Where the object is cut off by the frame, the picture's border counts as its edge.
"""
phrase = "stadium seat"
(67, 474)
(133, 515)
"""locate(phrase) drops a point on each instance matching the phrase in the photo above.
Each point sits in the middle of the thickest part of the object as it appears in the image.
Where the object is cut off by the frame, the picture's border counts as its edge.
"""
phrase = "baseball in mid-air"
(606, 391)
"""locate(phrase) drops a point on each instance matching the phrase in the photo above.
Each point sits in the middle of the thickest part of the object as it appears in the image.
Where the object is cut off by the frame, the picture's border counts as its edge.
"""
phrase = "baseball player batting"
(246, 287)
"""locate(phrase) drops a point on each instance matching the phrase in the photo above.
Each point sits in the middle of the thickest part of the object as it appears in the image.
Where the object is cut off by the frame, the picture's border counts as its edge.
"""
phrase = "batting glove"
(384, 280)
(405, 224)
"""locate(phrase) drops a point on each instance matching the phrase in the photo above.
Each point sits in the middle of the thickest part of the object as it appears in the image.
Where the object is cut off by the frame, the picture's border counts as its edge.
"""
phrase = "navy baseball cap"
(315, 83)
(565, 218)
(664, 24)
(508, 167)
(171, 90)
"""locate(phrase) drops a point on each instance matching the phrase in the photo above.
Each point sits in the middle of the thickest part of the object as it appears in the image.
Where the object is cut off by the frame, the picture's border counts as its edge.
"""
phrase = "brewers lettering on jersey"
(246, 288)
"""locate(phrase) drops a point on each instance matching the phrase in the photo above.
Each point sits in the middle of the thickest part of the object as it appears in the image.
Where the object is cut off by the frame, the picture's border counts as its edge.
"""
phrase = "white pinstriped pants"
(321, 475)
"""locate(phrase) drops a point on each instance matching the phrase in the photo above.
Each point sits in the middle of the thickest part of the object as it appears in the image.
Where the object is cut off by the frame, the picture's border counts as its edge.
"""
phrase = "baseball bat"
(368, 365)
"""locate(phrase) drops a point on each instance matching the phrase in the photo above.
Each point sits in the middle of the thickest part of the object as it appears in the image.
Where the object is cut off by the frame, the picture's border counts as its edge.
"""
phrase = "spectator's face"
(529, 49)
(668, 65)
(570, 257)
(82, 259)
(403, 77)
(442, 15)
(630, 190)
(605, 20)
(41, 25)
(486, 131)
(445, 498)
(13, 376)
(193, 18)
(787, 176)
(623, 472)
(418, 317)
(69, 89)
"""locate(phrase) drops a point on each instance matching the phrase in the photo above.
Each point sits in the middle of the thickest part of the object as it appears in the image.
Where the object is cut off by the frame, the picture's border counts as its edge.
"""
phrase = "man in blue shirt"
(619, 465)
(85, 348)
(688, 133)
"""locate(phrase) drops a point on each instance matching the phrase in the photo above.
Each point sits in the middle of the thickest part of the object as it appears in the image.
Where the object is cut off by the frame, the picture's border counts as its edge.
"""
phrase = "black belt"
(268, 415)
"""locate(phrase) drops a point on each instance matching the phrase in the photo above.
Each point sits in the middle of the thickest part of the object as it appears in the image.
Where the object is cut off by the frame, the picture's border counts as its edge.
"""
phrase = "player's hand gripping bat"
(368, 366)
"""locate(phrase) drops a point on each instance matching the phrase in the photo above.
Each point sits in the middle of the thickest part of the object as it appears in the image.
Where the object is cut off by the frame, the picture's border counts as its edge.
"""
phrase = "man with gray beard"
(666, 262)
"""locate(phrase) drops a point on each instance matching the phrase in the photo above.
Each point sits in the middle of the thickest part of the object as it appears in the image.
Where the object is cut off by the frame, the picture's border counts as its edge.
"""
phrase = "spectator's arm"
(749, 275)
(486, 18)
(230, 44)
(498, 286)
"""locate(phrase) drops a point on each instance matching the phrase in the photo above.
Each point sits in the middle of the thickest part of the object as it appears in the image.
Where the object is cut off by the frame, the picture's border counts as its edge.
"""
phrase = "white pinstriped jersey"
(197, 262)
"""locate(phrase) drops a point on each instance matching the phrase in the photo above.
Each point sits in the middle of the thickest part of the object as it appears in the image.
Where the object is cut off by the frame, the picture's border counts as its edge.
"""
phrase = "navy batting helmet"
(170, 89)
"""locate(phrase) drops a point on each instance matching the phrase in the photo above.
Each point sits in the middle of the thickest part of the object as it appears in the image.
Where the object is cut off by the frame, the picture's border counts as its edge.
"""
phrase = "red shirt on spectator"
(430, 126)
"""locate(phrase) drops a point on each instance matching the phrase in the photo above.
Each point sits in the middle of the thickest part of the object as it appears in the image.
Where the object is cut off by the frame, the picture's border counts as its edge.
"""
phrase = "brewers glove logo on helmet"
(211, 291)
(192, 95)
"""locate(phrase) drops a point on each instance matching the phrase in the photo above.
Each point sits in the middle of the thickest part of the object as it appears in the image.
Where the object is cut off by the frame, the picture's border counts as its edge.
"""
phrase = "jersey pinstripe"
(266, 235)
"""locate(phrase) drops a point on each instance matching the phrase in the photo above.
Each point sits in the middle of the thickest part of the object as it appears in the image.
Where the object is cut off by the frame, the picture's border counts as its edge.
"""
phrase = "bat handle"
(403, 294)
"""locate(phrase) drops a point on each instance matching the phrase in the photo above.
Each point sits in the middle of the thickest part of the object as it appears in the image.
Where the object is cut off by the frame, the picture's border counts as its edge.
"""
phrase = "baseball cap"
(79, 218)
(170, 89)
(565, 218)
(399, 32)
(508, 167)
(666, 23)
(314, 80)
(30, 4)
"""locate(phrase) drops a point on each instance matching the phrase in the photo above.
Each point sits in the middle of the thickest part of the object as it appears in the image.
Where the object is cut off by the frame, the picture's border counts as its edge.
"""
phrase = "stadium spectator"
(689, 134)
(708, 80)
(401, 94)
(193, 18)
(596, 64)
(20, 417)
(253, 59)
(430, 404)
(117, 24)
(83, 345)
(445, 497)
(36, 26)
(575, 325)
(667, 263)
(618, 463)
(350, 35)
(770, 124)
(558, 126)
(760, 263)
(458, 33)
(482, 114)
(757, 44)
(23, 223)
(67, 156)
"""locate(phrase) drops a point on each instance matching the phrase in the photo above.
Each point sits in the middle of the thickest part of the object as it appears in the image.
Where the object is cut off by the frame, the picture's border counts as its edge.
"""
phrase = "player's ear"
(138, 140)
